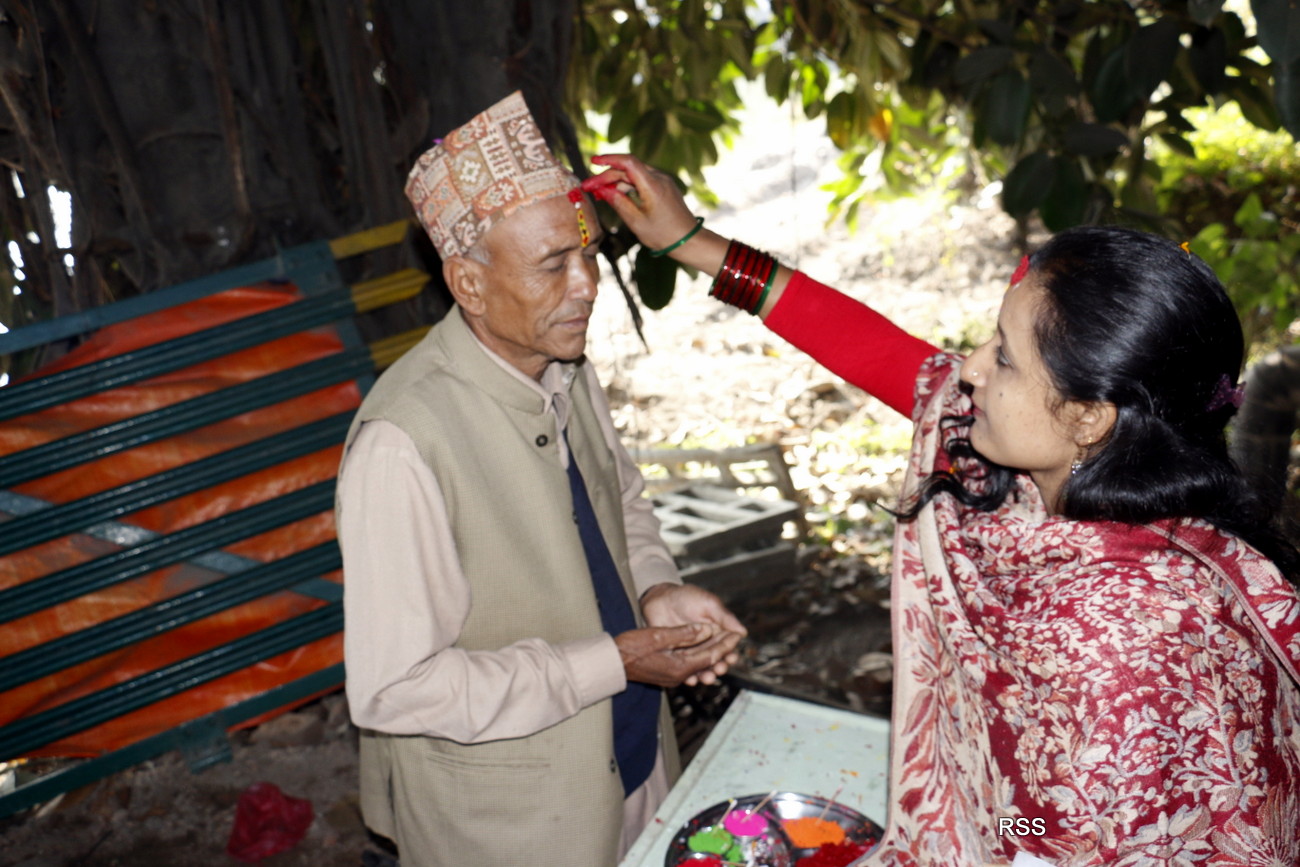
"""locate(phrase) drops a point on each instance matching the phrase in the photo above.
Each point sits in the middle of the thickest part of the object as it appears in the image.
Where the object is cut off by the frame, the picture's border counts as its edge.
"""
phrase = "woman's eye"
(1002, 359)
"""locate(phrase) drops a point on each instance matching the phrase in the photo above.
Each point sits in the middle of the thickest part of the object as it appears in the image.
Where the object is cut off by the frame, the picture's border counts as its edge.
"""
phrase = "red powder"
(710, 861)
(834, 855)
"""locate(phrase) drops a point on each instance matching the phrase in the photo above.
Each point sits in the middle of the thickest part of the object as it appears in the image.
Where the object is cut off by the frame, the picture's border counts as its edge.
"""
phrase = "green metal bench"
(136, 552)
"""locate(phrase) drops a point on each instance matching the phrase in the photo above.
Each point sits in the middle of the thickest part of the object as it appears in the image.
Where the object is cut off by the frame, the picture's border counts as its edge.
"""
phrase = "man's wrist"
(655, 590)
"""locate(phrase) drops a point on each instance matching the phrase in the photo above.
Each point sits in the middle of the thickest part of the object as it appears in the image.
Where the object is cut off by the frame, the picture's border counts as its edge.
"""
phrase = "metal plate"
(773, 847)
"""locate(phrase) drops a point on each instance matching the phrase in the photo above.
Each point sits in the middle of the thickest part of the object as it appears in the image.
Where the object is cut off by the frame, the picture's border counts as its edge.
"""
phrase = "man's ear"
(1093, 421)
(464, 278)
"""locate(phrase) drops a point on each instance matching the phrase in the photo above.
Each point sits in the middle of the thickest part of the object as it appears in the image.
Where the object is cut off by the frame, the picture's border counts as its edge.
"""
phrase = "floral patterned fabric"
(1086, 692)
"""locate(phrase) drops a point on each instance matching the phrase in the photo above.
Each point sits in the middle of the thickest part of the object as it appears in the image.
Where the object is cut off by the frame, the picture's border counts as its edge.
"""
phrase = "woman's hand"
(657, 213)
(649, 203)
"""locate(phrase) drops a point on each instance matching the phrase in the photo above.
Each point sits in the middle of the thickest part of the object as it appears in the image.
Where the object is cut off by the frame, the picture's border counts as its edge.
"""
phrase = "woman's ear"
(1093, 421)
(464, 278)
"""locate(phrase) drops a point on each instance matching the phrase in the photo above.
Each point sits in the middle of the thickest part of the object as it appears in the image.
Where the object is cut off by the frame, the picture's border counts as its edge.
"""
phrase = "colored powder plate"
(810, 832)
(745, 824)
(713, 840)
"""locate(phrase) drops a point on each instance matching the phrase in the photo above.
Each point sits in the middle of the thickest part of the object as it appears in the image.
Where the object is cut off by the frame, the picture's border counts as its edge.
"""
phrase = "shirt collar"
(557, 379)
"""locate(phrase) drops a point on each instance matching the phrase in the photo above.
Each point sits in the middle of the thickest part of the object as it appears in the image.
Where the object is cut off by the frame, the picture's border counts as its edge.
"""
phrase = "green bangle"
(699, 221)
(767, 287)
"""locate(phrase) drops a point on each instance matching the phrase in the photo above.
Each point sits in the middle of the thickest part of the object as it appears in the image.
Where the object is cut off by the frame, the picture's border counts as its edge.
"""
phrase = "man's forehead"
(550, 223)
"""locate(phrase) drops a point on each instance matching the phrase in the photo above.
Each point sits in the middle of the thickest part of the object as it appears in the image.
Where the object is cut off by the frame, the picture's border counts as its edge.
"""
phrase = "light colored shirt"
(406, 597)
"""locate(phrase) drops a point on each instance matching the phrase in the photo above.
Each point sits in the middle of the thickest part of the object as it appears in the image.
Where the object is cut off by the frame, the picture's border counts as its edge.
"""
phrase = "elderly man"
(511, 611)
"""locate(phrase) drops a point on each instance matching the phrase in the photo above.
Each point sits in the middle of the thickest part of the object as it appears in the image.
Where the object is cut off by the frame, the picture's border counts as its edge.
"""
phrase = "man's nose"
(582, 285)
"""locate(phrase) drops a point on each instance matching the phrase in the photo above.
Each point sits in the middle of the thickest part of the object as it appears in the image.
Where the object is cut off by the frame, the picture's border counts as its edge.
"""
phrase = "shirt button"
(542, 439)
(613, 766)
(575, 517)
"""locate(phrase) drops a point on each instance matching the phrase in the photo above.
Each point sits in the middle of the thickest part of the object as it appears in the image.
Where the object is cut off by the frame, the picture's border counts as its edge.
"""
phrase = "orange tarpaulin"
(109, 472)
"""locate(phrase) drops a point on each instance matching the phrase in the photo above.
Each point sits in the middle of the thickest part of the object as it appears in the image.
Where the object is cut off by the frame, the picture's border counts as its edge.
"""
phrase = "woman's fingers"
(646, 199)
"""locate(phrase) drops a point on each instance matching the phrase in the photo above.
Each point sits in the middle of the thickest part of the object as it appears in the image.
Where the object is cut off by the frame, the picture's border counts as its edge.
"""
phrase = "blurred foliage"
(1237, 195)
(1061, 101)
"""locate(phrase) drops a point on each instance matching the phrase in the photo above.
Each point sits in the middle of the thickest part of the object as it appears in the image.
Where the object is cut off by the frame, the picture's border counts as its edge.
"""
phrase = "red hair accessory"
(1021, 270)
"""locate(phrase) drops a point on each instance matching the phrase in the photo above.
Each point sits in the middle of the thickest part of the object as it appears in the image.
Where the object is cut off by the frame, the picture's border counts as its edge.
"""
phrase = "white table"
(763, 743)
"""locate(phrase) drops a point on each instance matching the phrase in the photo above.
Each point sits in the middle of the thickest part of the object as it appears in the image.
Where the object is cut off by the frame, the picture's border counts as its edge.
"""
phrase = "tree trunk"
(196, 135)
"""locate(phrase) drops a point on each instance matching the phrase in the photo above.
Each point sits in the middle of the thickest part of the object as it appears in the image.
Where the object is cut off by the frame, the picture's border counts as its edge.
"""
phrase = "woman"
(1096, 648)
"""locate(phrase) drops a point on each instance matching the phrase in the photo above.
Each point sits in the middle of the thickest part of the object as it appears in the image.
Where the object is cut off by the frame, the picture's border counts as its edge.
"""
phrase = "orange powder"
(811, 832)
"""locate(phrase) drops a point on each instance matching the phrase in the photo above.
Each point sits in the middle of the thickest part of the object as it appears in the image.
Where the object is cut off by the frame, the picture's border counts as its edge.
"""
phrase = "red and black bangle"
(745, 278)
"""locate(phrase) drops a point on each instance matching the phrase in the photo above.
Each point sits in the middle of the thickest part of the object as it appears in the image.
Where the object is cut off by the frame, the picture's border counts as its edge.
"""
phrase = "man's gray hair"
(478, 252)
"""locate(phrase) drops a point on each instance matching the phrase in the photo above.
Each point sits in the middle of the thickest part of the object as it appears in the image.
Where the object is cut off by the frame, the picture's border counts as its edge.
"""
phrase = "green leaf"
(1006, 107)
(1067, 198)
(1204, 11)
(1049, 74)
(941, 65)
(1178, 144)
(1286, 93)
(1178, 122)
(1025, 187)
(622, 120)
(997, 30)
(1150, 55)
(1208, 55)
(1092, 139)
(1255, 104)
(981, 64)
(648, 135)
(920, 54)
(1112, 94)
(1278, 29)
(841, 118)
(656, 279)
(699, 116)
(776, 78)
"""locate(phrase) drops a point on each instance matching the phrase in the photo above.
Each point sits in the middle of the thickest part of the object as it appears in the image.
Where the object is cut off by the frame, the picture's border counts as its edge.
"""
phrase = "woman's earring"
(1080, 456)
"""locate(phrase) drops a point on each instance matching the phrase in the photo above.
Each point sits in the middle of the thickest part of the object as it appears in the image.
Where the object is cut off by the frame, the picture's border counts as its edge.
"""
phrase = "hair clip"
(1225, 394)
(575, 196)
(1021, 270)
(1186, 247)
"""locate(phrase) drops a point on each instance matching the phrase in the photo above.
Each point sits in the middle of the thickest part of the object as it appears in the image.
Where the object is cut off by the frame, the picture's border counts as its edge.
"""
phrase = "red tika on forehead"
(575, 196)
(1021, 270)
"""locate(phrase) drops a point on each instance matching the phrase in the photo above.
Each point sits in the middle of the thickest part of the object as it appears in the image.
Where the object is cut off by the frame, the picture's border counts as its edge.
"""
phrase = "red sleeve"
(851, 340)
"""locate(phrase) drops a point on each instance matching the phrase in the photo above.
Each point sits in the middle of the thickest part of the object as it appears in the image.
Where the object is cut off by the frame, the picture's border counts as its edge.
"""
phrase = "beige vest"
(554, 797)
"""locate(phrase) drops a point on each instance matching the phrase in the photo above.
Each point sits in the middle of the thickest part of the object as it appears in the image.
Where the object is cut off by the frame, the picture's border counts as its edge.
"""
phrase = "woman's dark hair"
(1134, 320)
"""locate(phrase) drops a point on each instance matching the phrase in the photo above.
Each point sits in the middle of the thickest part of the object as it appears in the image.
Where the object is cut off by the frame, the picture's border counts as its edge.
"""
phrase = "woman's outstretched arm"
(845, 335)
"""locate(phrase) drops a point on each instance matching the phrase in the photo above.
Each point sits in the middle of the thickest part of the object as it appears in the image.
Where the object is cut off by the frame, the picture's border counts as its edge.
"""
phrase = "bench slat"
(55, 521)
(182, 417)
(80, 714)
(236, 589)
(150, 361)
(112, 569)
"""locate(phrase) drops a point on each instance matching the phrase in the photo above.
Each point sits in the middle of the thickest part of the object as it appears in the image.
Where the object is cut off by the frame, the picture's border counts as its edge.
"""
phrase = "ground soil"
(712, 377)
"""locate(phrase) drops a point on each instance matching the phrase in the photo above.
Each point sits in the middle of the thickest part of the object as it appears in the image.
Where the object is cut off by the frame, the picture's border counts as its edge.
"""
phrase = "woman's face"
(1020, 420)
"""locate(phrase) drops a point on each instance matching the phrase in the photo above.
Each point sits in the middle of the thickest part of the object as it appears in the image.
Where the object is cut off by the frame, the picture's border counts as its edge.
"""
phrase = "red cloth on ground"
(267, 822)
(851, 340)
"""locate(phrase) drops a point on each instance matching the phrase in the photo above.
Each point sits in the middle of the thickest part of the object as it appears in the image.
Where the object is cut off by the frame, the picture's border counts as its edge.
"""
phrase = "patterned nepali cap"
(482, 173)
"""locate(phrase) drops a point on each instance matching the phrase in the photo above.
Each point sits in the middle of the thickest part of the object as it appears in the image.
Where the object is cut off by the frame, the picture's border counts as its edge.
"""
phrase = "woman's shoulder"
(1177, 576)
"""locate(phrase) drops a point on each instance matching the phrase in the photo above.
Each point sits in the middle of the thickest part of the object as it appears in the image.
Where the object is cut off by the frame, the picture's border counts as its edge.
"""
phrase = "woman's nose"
(972, 369)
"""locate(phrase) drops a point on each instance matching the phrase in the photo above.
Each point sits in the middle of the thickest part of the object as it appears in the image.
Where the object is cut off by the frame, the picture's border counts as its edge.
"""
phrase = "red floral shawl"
(1087, 692)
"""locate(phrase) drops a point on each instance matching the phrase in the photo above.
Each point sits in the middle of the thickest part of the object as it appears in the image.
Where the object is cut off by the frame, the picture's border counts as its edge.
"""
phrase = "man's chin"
(572, 349)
